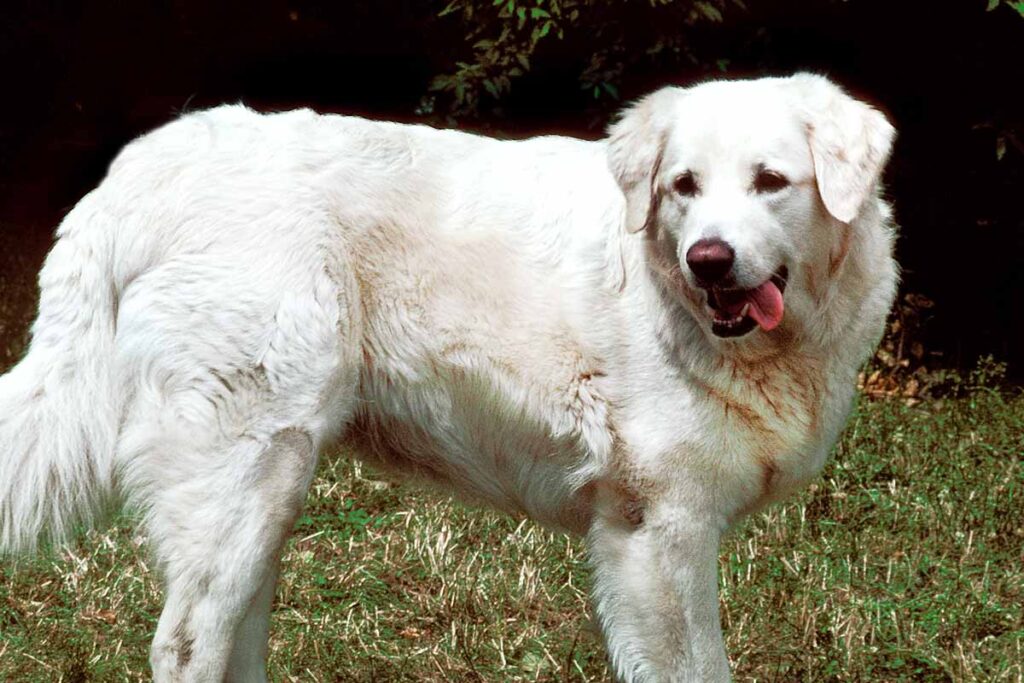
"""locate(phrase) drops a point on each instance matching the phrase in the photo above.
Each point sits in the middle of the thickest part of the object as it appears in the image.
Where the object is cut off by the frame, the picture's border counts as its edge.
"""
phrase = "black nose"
(710, 260)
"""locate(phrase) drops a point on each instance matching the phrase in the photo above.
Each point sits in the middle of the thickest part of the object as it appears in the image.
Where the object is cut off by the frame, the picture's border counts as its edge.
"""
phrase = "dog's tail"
(58, 406)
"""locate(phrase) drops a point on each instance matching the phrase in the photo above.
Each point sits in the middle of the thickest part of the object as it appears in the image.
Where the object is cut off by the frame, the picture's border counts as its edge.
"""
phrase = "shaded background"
(81, 79)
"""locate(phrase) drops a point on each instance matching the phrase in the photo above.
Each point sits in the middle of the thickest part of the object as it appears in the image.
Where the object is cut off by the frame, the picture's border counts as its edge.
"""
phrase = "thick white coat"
(511, 320)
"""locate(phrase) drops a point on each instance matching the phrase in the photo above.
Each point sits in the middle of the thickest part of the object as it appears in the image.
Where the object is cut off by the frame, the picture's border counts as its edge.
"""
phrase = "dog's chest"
(774, 417)
(751, 433)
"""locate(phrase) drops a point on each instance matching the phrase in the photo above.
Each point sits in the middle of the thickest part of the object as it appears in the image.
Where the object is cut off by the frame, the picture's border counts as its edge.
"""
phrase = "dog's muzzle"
(735, 310)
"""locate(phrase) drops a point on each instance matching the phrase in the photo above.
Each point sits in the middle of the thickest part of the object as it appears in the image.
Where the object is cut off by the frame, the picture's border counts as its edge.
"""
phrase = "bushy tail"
(58, 408)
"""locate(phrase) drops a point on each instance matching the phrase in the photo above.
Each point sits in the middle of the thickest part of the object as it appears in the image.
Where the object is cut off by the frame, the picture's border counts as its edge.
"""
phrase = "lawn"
(902, 563)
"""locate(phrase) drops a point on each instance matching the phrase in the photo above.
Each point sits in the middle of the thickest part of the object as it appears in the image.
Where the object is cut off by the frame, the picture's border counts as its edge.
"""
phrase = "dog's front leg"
(656, 592)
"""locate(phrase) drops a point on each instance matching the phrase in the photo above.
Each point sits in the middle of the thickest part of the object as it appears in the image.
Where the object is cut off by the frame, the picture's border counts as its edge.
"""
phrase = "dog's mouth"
(736, 311)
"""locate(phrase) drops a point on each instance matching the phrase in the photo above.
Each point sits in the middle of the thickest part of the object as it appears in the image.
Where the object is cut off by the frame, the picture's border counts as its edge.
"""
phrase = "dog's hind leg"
(218, 533)
(239, 369)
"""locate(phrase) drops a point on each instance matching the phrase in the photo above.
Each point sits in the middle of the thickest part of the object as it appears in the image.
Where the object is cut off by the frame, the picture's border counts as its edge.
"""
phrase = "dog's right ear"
(636, 144)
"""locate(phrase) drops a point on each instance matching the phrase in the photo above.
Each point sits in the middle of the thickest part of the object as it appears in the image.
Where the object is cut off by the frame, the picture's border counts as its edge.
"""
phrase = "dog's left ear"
(850, 143)
(636, 144)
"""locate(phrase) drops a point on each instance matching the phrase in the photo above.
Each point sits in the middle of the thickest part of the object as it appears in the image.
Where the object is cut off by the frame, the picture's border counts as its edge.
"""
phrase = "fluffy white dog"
(639, 340)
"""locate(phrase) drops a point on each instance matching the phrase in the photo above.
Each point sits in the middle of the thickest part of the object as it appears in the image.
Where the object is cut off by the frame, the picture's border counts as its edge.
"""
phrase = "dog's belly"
(496, 403)
(486, 436)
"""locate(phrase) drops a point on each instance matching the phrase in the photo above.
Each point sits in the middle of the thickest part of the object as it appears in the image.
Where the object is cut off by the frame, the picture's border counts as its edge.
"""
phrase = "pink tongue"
(766, 307)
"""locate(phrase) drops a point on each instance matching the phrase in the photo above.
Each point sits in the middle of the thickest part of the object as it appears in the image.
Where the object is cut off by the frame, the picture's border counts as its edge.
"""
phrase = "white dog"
(639, 340)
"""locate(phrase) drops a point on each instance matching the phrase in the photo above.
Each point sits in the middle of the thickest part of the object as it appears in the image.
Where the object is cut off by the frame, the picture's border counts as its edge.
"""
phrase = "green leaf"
(992, 4)
(536, 13)
(611, 90)
(1000, 147)
(709, 11)
(490, 87)
(1019, 6)
(452, 6)
(545, 29)
(442, 82)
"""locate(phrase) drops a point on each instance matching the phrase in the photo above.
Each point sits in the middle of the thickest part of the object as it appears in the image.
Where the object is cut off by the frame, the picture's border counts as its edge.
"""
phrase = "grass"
(902, 563)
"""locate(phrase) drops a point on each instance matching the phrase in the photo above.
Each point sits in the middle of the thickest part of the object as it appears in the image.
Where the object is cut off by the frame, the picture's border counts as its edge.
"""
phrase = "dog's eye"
(769, 181)
(686, 185)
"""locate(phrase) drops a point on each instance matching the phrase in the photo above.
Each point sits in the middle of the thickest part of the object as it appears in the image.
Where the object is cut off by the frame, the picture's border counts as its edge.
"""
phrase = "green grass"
(902, 563)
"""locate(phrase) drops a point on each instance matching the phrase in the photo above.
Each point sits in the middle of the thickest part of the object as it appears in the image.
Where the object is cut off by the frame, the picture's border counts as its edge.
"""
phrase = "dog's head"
(748, 190)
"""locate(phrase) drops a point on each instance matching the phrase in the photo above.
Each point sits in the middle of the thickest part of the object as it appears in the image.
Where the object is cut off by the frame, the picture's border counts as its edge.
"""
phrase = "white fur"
(512, 320)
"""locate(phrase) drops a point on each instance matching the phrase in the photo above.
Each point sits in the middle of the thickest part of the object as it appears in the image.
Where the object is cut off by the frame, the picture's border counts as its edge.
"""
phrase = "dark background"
(81, 79)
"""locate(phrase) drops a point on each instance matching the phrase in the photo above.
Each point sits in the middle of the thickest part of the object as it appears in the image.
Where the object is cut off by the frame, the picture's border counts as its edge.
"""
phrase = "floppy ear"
(636, 144)
(850, 143)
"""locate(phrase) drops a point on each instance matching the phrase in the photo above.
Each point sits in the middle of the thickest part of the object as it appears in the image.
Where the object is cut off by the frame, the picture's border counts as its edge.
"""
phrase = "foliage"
(903, 368)
(1012, 4)
(502, 37)
(505, 35)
